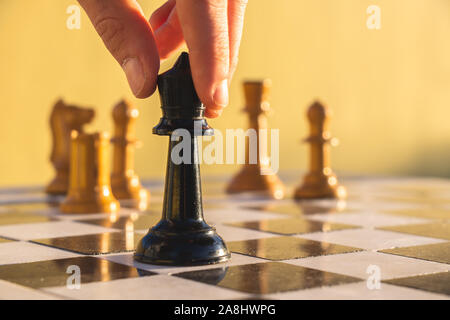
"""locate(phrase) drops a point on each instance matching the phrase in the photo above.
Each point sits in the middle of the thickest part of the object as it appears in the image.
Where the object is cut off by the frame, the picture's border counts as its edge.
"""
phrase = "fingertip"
(142, 78)
(215, 96)
(220, 96)
(213, 113)
(135, 74)
(148, 90)
(129, 37)
(151, 78)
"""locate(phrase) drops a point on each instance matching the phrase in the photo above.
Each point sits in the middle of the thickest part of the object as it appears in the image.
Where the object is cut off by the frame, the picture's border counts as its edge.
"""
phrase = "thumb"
(128, 36)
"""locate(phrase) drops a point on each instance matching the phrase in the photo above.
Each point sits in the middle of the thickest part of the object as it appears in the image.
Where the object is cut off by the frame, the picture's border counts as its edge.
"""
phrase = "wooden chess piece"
(320, 182)
(254, 177)
(182, 237)
(89, 183)
(125, 183)
(63, 119)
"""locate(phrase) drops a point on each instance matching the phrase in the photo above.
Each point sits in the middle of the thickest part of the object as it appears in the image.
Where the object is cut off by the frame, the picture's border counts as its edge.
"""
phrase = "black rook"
(181, 237)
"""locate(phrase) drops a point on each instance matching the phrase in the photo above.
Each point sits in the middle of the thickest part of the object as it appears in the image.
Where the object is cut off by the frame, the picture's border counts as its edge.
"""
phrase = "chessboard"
(389, 240)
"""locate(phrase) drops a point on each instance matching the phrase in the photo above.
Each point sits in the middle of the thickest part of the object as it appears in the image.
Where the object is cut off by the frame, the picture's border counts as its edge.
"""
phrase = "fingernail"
(221, 94)
(135, 75)
(230, 77)
(212, 113)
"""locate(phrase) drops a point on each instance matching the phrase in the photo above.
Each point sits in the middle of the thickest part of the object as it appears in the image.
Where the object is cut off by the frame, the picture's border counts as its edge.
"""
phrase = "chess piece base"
(168, 245)
(129, 191)
(250, 179)
(71, 205)
(324, 186)
(59, 185)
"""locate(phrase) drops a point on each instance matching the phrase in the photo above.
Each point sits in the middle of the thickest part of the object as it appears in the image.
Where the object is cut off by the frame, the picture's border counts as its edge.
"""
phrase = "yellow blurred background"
(389, 89)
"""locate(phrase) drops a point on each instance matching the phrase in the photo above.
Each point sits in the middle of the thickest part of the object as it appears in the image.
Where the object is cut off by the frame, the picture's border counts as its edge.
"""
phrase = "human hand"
(211, 29)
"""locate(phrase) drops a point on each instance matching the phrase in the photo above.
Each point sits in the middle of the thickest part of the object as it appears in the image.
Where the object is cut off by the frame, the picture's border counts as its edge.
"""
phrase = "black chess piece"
(181, 237)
